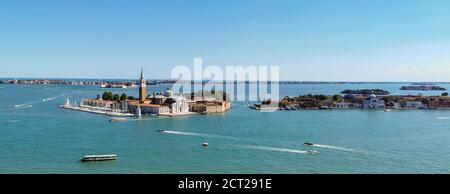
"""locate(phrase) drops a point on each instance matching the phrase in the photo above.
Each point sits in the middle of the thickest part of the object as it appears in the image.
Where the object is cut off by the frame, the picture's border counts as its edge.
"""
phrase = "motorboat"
(308, 144)
(205, 144)
(93, 158)
(160, 130)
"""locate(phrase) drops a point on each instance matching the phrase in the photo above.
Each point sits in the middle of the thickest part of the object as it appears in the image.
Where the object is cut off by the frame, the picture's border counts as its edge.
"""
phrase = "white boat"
(205, 144)
(93, 158)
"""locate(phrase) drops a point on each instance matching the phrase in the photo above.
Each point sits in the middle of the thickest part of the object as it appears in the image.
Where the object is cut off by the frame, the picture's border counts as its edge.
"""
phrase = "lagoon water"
(43, 138)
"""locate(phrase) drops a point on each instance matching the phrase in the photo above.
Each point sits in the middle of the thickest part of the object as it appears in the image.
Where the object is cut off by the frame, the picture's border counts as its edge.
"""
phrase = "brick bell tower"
(142, 87)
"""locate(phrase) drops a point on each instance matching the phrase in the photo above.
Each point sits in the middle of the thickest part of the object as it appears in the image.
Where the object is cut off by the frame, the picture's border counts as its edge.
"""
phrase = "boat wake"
(48, 99)
(22, 105)
(332, 147)
(10, 121)
(294, 151)
(443, 118)
(197, 134)
(187, 133)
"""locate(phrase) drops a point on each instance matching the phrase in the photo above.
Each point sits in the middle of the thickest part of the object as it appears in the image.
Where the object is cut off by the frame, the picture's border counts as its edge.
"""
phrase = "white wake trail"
(10, 121)
(332, 147)
(198, 134)
(265, 148)
(187, 133)
(48, 99)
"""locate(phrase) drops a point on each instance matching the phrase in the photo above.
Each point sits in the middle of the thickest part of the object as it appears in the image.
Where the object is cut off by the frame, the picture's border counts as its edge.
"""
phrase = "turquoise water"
(46, 139)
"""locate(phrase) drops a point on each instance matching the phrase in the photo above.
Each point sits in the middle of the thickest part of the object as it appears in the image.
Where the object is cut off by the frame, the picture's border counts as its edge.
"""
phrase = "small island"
(423, 88)
(366, 92)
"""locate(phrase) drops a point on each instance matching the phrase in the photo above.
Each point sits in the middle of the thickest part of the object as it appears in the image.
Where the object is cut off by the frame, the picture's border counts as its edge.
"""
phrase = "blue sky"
(317, 40)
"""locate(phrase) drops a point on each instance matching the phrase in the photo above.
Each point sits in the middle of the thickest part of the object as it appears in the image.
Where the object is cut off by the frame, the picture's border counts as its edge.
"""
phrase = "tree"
(116, 97)
(337, 98)
(445, 94)
(321, 97)
(131, 98)
(107, 96)
(123, 96)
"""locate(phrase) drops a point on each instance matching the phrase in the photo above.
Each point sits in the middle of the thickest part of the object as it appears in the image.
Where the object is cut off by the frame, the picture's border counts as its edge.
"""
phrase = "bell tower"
(142, 87)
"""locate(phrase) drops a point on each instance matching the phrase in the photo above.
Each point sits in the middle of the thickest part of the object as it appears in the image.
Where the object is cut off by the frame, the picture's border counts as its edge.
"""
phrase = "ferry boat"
(93, 158)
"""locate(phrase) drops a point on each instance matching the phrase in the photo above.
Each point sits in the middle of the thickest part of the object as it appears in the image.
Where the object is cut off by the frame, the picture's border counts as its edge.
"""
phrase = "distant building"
(396, 105)
(372, 102)
(209, 106)
(342, 105)
(415, 104)
(439, 103)
(147, 109)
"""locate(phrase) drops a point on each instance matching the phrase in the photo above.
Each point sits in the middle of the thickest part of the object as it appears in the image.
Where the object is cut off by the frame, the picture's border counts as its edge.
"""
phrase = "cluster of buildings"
(361, 101)
(166, 103)
(62, 82)
(102, 83)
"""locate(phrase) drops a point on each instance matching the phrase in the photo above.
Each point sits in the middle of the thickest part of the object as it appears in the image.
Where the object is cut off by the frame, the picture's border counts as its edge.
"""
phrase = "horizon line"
(157, 79)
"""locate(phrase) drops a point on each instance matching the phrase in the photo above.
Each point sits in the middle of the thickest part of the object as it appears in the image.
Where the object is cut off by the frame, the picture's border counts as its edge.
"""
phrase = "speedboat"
(160, 130)
(312, 152)
(308, 144)
(205, 144)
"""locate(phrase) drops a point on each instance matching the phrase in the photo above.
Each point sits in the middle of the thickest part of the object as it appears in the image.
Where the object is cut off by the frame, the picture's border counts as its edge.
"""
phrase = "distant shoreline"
(75, 81)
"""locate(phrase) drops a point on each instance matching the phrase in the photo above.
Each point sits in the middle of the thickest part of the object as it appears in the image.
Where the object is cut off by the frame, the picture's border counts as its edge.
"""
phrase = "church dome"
(168, 92)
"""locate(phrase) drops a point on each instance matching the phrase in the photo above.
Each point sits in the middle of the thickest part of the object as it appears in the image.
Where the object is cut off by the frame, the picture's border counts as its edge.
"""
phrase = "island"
(358, 101)
(365, 91)
(164, 103)
(423, 88)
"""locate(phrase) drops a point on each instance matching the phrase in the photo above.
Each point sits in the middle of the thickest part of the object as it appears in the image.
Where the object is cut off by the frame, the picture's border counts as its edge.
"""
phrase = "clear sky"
(316, 40)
